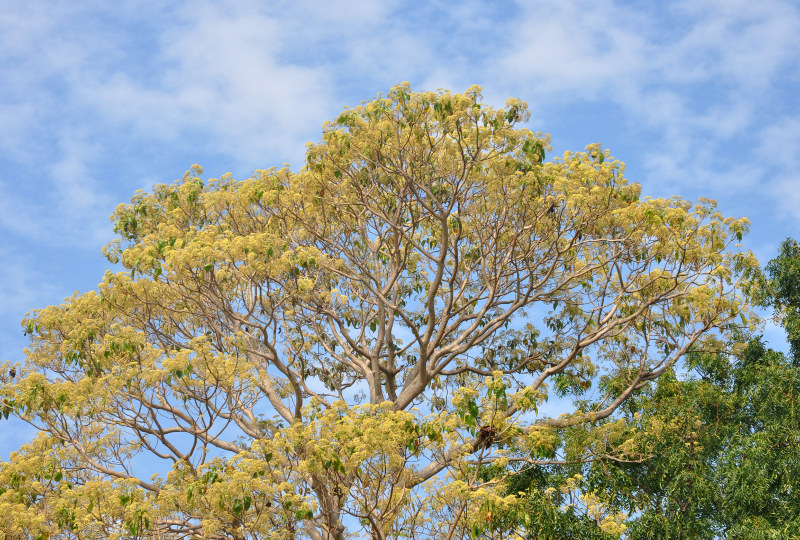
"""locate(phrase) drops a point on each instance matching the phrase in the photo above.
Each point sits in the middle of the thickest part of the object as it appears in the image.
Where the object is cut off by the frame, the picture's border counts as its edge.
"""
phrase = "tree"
(363, 344)
(746, 436)
(720, 441)
(781, 291)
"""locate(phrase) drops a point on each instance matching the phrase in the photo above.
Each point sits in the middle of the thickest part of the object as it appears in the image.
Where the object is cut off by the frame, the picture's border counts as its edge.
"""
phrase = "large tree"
(354, 345)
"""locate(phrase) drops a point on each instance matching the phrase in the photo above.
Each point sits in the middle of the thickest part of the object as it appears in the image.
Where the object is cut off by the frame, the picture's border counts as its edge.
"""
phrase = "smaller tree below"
(719, 444)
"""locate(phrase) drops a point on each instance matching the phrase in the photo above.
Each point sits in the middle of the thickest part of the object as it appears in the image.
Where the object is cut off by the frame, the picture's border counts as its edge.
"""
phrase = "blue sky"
(99, 99)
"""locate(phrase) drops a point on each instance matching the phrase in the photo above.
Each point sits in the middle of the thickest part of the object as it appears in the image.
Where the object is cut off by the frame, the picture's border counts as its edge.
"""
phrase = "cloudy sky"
(99, 99)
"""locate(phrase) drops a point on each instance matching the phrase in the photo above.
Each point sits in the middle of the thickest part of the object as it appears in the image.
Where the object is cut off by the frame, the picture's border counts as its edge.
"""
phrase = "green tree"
(719, 444)
(358, 345)
(782, 292)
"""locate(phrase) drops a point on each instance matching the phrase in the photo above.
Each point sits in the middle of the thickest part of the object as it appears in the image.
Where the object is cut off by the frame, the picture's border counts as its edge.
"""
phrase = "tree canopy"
(719, 441)
(368, 344)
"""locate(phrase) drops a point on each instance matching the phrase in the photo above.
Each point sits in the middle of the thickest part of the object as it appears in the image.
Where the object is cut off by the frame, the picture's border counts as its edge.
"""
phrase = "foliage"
(365, 344)
(720, 442)
(782, 292)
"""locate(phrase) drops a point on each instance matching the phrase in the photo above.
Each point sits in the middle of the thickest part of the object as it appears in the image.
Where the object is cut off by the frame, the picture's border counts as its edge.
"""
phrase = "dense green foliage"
(718, 443)
(723, 448)
(783, 292)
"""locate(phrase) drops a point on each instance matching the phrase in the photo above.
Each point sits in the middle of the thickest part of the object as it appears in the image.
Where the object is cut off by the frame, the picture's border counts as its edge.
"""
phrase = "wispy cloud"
(24, 288)
(92, 90)
(218, 82)
(779, 148)
(247, 84)
(695, 81)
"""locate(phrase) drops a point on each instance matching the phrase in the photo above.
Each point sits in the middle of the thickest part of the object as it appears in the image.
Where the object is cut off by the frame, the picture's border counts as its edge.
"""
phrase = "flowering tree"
(363, 345)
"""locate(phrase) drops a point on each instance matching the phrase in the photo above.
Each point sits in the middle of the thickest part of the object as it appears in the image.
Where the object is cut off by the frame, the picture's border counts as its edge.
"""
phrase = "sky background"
(100, 99)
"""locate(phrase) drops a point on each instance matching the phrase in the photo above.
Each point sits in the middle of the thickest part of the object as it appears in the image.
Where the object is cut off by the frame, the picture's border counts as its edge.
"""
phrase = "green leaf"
(238, 507)
(476, 530)
(473, 409)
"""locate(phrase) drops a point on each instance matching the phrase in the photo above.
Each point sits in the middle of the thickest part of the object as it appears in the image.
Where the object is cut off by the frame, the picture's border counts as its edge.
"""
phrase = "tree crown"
(426, 263)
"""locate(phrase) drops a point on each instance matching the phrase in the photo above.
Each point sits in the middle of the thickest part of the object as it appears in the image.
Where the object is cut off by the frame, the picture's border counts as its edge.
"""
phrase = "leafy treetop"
(362, 337)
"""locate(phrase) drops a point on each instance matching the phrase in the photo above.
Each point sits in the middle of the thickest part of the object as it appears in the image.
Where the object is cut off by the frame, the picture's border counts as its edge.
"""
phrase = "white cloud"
(24, 288)
(62, 203)
(691, 77)
(248, 83)
(576, 50)
(779, 149)
(90, 90)
(780, 142)
(216, 78)
(737, 40)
